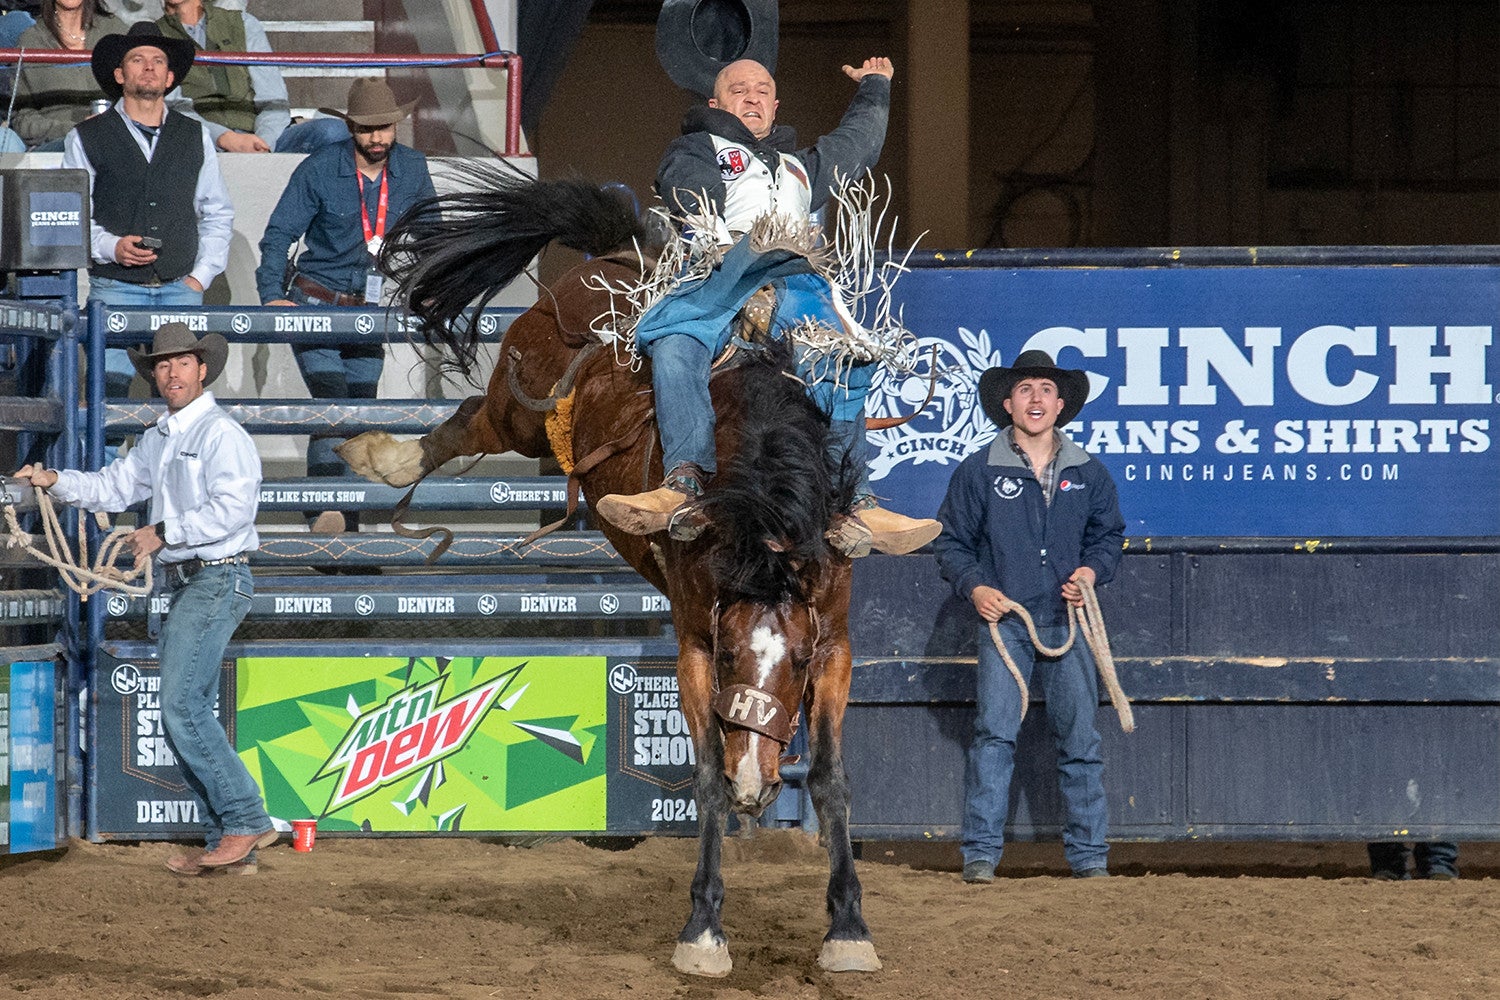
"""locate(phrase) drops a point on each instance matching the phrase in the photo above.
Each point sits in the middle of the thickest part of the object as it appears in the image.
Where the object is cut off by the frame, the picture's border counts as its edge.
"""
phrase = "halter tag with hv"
(374, 235)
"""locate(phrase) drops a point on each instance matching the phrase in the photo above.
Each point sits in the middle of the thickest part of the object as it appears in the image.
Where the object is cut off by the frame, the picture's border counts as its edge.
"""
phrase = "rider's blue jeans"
(684, 412)
(1070, 688)
(348, 371)
(204, 614)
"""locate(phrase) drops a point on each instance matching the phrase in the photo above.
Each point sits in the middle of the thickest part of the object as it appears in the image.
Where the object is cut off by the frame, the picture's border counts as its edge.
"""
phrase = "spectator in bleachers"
(51, 99)
(15, 17)
(162, 220)
(244, 108)
(340, 200)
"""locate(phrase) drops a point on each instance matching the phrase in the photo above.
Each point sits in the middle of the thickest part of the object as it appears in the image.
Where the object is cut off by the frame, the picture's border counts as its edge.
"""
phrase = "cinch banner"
(1269, 401)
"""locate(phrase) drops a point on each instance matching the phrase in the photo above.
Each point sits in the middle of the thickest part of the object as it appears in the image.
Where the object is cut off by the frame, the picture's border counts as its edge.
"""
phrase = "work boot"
(648, 513)
(892, 533)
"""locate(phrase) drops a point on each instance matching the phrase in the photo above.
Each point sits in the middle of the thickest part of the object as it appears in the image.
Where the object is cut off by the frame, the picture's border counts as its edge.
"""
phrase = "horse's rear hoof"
(704, 957)
(379, 457)
(849, 956)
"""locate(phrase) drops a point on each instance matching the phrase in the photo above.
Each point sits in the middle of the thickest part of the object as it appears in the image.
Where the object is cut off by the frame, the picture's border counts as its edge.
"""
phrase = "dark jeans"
(1433, 857)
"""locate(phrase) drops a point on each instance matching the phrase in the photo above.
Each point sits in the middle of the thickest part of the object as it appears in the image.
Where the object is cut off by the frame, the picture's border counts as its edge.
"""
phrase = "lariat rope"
(1090, 619)
(76, 574)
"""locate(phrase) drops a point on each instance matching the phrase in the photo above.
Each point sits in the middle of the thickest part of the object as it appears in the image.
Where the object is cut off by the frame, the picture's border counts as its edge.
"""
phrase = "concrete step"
(298, 10)
(321, 91)
(321, 36)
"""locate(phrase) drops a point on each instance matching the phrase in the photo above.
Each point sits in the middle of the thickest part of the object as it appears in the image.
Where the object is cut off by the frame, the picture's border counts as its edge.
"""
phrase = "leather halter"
(759, 711)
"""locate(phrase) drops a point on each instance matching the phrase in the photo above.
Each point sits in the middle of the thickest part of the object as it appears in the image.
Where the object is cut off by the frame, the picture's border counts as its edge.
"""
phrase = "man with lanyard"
(368, 176)
(161, 220)
(1027, 520)
(201, 473)
(731, 166)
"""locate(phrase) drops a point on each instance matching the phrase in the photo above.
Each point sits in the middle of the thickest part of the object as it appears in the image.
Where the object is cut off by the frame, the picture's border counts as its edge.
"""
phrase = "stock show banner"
(1271, 401)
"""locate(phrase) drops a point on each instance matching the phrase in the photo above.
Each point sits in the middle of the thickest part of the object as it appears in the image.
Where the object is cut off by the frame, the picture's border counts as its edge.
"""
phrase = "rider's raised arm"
(855, 145)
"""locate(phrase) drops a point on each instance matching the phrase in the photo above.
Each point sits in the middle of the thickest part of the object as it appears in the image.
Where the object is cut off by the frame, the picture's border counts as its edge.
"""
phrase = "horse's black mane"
(453, 253)
(781, 486)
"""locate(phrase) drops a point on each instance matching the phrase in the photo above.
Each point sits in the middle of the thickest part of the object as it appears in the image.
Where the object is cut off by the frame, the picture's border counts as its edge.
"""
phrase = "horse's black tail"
(451, 254)
(772, 502)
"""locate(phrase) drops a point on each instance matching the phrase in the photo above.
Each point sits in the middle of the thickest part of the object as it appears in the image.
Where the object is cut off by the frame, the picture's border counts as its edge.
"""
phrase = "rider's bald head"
(747, 90)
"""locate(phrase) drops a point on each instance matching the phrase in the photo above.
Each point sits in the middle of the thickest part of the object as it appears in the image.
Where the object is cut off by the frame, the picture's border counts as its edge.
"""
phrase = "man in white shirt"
(201, 472)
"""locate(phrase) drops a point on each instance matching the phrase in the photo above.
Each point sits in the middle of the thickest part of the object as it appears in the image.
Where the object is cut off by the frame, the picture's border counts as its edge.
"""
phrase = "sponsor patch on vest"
(1007, 488)
(733, 161)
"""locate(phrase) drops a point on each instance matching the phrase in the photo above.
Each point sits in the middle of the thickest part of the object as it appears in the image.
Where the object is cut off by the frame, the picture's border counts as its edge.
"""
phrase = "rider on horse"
(730, 170)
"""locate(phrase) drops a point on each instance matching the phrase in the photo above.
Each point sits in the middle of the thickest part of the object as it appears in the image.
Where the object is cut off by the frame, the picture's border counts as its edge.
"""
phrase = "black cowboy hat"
(173, 339)
(996, 384)
(109, 53)
(697, 38)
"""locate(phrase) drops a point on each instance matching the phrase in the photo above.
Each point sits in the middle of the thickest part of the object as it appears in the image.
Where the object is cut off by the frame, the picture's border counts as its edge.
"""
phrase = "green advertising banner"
(427, 744)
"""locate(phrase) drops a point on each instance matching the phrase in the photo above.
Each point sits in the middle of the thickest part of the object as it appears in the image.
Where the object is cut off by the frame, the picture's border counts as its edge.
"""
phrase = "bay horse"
(760, 601)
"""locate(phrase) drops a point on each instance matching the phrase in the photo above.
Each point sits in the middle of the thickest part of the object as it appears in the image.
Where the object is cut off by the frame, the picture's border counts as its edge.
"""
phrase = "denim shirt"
(321, 202)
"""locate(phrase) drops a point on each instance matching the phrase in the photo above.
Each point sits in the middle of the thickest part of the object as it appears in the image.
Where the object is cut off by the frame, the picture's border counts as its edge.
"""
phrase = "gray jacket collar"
(1003, 454)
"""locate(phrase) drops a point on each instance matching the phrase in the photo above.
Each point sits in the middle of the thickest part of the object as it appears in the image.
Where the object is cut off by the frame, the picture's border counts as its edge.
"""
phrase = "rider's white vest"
(750, 191)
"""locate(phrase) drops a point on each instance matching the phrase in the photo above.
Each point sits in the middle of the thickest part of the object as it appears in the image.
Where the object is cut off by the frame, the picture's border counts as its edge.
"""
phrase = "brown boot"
(896, 534)
(648, 513)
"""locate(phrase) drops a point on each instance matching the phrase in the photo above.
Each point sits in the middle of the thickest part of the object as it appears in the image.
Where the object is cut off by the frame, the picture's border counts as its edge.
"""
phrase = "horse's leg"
(701, 947)
(848, 947)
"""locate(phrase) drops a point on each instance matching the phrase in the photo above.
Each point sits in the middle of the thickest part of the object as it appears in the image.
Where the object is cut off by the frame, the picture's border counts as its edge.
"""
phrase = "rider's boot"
(667, 506)
(888, 532)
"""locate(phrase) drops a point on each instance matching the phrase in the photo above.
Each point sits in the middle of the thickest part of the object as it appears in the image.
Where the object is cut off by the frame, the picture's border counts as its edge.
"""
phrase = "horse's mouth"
(754, 805)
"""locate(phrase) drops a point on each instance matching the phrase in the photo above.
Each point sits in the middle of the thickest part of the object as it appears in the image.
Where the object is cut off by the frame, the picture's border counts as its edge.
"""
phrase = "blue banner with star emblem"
(1235, 401)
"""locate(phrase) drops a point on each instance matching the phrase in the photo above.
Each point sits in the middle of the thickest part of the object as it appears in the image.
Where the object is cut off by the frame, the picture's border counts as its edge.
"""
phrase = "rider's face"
(746, 90)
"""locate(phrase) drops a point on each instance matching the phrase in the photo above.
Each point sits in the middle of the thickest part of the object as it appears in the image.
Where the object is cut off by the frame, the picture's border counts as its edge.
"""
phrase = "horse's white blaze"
(747, 774)
(769, 648)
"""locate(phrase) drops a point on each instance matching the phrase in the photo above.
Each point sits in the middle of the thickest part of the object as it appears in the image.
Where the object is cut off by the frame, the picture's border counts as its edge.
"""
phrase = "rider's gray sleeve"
(689, 169)
(855, 145)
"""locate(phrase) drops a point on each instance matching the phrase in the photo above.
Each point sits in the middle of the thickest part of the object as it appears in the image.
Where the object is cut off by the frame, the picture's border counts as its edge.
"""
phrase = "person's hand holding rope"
(1072, 592)
(76, 574)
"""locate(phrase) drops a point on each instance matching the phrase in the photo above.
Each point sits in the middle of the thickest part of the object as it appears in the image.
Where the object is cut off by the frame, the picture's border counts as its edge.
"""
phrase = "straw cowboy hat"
(173, 339)
(110, 52)
(996, 383)
(372, 104)
(697, 38)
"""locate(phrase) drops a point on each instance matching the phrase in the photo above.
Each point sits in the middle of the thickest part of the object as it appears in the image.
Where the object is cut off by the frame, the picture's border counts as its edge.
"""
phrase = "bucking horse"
(760, 600)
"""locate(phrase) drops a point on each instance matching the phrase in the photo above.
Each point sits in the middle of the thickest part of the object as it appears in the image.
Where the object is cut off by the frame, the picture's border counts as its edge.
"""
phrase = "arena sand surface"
(461, 918)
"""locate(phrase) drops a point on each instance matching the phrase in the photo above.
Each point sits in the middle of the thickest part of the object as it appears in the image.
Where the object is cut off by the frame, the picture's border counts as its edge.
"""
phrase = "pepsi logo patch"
(733, 161)
(1068, 484)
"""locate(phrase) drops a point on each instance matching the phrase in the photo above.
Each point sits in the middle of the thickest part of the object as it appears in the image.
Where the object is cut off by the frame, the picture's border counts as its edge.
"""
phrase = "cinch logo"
(408, 731)
(56, 218)
(949, 428)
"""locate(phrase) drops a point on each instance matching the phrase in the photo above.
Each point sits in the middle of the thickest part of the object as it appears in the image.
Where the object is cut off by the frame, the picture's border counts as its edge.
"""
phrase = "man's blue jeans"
(1070, 688)
(684, 412)
(350, 371)
(204, 614)
(118, 371)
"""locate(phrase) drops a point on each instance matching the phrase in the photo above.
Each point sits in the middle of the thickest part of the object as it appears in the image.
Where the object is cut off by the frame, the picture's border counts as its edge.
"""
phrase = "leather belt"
(313, 290)
(189, 568)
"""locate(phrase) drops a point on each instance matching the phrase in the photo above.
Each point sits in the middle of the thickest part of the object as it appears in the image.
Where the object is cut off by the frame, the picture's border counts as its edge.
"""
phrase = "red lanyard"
(364, 215)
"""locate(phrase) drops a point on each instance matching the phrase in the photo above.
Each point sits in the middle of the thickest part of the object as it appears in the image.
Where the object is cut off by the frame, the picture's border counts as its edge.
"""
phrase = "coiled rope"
(76, 574)
(1090, 620)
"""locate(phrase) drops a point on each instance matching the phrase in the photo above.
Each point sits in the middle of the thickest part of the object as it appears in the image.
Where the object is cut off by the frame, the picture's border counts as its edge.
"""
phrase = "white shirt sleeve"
(215, 217)
(121, 483)
(273, 109)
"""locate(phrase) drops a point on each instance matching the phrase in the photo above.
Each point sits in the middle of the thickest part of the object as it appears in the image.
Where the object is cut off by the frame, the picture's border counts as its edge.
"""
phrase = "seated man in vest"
(244, 108)
(731, 167)
(161, 220)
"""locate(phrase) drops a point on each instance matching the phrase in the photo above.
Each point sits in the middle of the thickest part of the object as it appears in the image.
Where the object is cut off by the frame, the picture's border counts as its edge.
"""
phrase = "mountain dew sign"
(428, 743)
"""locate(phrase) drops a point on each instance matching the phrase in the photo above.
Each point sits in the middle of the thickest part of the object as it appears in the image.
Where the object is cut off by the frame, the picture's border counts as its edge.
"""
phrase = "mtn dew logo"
(409, 731)
(950, 427)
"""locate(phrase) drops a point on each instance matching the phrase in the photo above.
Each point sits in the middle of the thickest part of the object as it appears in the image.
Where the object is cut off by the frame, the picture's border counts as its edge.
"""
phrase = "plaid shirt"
(1046, 477)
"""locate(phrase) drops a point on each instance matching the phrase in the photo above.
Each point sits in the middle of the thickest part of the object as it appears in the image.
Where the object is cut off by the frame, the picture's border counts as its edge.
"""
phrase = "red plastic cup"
(304, 832)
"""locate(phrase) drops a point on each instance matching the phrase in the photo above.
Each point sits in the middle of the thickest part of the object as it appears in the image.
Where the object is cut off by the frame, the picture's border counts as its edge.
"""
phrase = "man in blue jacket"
(1027, 520)
(340, 201)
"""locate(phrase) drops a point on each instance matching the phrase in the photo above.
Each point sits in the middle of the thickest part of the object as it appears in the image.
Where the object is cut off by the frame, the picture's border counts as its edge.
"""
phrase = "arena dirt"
(414, 919)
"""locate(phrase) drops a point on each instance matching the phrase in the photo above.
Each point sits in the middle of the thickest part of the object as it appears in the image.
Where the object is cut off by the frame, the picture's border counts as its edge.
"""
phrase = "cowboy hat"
(697, 38)
(996, 383)
(372, 103)
(110, 51)
(173, 339)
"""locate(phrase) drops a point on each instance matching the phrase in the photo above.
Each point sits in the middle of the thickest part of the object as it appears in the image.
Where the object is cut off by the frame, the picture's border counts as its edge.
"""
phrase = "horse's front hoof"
(706, 957)
(381, 458)
(849, 956)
